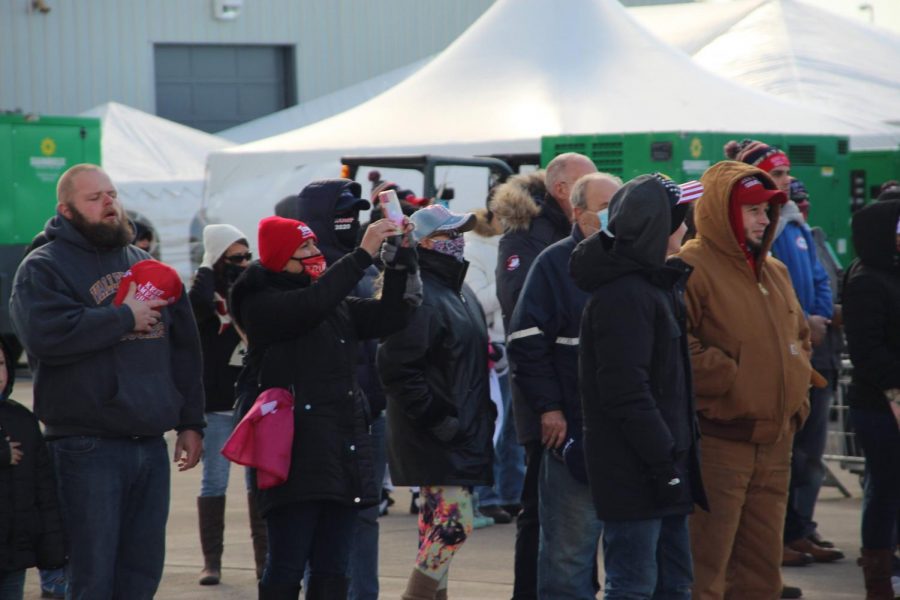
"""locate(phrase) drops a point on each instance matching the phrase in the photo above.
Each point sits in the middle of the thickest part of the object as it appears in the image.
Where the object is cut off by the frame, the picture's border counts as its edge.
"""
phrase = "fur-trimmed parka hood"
(518, 200)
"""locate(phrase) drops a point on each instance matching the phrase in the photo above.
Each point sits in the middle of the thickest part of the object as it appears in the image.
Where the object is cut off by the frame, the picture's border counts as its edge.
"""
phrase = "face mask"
(603, 215)
(231, 272)
(314, 266)
(454, 247)
(346, 229)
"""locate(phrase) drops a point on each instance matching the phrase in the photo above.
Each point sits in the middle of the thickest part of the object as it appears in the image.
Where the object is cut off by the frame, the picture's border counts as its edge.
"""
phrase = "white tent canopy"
(798, 52)
(525, 69)
(691, 26)
(158, 168)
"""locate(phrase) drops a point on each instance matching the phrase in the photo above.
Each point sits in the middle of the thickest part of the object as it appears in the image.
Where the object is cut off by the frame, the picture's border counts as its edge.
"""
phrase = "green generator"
(34, 152)
(820, 161)
(868, 170)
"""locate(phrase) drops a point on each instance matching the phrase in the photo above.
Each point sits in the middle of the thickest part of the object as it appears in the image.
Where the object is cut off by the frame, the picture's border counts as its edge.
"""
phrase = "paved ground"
(481, 571)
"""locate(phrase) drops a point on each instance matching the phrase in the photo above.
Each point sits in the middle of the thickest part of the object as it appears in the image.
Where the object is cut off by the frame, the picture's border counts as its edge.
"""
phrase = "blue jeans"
(53, 580)
(318, 532)
(807, 470)
(880, 439)
(114, 500)
(215, 466)
(649, 558)
(509, 460)
(12, 585)
(570, 533)
(363, 571)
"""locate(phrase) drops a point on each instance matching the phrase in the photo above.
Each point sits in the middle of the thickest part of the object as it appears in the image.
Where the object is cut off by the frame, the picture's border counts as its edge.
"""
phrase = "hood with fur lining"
(518, 200)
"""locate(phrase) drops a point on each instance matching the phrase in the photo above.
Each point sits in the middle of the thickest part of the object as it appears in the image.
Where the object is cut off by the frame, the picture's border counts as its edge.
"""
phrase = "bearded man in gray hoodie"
(109, 381)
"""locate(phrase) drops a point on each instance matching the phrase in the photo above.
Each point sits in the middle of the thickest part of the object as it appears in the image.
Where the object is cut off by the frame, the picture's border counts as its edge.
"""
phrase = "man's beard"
(103, 235)
(754, 247)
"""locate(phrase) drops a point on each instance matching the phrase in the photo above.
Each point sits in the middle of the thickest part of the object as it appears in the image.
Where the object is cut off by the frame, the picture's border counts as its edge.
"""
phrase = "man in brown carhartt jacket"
(750, 359)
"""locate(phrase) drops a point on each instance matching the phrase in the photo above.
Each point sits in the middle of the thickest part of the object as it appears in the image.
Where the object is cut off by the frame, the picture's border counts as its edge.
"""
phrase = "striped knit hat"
(756, 153)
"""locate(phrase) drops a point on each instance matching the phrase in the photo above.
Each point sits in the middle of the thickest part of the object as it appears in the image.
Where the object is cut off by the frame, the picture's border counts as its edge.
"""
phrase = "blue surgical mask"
(603, 215)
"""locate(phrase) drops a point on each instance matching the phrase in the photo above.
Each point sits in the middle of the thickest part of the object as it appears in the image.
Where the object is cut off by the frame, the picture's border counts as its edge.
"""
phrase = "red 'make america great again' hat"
(154, 281)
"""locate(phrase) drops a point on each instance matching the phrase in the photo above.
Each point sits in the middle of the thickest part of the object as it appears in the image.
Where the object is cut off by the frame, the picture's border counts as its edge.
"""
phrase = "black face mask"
(346, 228)
(230, 273)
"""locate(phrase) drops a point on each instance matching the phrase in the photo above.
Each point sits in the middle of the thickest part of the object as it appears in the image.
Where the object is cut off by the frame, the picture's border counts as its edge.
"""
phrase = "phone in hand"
(390, 205)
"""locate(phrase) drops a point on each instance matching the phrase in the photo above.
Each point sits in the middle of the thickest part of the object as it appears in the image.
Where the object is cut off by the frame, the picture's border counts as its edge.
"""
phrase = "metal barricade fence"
(842, 446)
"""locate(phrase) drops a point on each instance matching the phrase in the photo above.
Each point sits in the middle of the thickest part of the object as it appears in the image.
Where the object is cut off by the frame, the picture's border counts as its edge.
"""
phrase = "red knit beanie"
(279, 238)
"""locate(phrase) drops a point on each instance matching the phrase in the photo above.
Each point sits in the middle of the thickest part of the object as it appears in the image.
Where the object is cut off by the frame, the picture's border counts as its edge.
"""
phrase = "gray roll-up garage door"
(214, 87)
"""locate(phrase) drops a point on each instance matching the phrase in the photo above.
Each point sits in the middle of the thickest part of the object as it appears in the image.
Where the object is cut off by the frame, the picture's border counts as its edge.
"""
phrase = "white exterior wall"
(86, 52)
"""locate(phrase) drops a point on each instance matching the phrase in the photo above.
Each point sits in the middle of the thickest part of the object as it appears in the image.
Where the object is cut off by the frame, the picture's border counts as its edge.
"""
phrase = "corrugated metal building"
(174, 58)
(179, 60)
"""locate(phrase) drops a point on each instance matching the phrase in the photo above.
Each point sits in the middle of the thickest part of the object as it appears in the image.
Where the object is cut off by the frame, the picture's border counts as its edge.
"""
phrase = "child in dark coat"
(30, 526)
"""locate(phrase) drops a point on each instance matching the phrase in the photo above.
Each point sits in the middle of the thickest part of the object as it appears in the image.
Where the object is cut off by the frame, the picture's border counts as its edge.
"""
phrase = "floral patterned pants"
(445, 521)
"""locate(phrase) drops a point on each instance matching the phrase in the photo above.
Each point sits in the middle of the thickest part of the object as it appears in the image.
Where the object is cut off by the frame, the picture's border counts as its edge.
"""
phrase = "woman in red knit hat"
(302, 331)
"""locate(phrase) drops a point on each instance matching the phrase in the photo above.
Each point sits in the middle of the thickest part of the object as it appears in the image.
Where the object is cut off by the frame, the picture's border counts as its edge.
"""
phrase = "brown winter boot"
(420, 587)
(211, 510)
(258, 534)
(876, 566)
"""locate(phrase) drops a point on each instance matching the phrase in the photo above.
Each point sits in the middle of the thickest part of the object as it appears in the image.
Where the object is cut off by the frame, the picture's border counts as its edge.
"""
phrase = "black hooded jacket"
(871, 299)
(306, 337)
(30, 526)
(438, 367)
(634, 367)
(315, 207)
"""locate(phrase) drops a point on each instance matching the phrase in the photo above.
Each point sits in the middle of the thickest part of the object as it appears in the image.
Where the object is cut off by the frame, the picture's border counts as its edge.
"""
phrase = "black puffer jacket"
(315, 207)
(640, 430)
(308, 334)
(30, 527)
(438, 367)
(532, 220)
(871, 298)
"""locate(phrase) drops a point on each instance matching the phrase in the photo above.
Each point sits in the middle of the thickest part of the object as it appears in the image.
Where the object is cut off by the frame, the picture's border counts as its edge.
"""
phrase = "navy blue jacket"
(543, 335)
(517, 250)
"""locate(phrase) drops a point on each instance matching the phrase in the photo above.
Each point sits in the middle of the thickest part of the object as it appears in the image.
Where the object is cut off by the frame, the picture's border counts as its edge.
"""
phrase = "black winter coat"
(640, 428)
(871, 299)
(219, 342)
(438, 367)
(307, 336)
(30, 527)
(315, 206)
